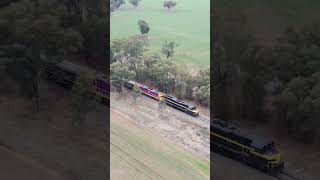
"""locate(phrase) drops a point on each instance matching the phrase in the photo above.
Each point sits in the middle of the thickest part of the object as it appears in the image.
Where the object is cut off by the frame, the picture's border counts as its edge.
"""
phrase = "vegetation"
(115, 4)
(135, 3)
(37, 34)
(120, 73)
(193, 40)
(143, 26)
(83, 100)
(130, 61)
(135, 94)
(168, 48)
(169, 4)
(259, 82)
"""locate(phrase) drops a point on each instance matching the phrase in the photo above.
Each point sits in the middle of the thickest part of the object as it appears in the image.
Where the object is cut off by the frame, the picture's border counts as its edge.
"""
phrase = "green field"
(188, 24)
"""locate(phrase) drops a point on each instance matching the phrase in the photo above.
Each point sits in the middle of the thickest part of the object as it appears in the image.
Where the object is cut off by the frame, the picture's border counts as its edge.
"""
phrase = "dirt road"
(14, 166)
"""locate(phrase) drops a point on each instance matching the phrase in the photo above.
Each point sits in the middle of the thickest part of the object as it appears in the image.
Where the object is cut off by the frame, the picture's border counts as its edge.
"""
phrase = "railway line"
(66, 73)
(102, 90)
(285, 175)
(203, 118)
(200, 117)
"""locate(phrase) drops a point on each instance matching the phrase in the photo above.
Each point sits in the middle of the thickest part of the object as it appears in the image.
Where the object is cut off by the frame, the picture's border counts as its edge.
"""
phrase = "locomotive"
(149, 92)
(65, 74)
(227, 140)
(180, 105)
(159, 96)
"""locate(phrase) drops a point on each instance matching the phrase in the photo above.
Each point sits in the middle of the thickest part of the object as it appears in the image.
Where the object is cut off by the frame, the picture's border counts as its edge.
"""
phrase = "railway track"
(203, 118)
(285, 175)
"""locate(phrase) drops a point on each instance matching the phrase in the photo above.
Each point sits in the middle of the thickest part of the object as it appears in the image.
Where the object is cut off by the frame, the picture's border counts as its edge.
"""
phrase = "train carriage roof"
(189, 105)
(259, 142)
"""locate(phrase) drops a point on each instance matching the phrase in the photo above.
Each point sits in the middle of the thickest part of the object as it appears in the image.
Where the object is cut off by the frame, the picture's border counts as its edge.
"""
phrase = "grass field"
(188, 25)
(137, 153)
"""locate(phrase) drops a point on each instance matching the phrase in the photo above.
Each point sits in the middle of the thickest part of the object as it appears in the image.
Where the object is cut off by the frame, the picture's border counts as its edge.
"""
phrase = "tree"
(143, 26)
(168, 48)
(83, 100)
(115, 4)
(120, 73)
(135, 3)
(202, 94)
(39, 41)
(36, 34)
(297, 65)
(135, 94)
(163, 74)
(129, 50)
(202, 87)
(82, 11)
(94, 44)
(169, 4)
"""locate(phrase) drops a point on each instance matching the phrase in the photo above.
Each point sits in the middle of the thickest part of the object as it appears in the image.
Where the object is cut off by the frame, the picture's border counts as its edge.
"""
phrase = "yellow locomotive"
(256, 152)
(159, 96)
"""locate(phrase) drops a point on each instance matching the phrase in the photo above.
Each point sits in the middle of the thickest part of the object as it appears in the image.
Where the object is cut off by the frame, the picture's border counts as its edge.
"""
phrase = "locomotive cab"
(194, 110)
(255, 151)
(275, 161)
(161, 96)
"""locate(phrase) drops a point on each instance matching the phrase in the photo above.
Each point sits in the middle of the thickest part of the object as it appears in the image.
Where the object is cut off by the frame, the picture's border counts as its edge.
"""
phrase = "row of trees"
(129, 61)
(115, 4)
(278, 84)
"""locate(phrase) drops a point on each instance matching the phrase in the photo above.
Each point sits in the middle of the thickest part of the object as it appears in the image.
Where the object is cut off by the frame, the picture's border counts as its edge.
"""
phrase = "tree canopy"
(143, 26)
(135, 3)
(168, 76)
(277, 84)
(37, 34)
(168, 48)
(169, 4)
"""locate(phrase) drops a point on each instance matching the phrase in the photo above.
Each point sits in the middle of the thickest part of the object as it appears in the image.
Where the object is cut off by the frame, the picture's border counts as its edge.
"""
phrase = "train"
(65, 74)
(160, 96)
(260, 153)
